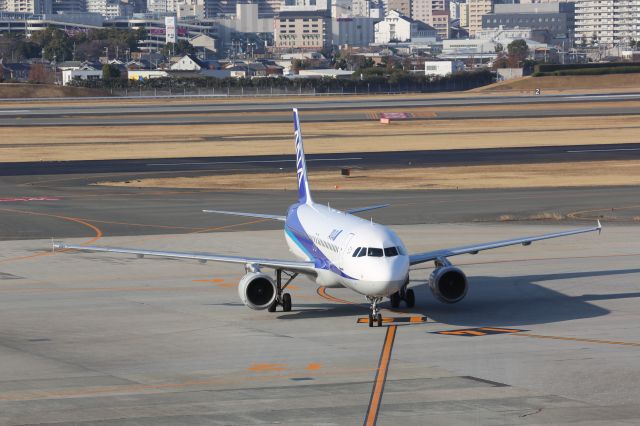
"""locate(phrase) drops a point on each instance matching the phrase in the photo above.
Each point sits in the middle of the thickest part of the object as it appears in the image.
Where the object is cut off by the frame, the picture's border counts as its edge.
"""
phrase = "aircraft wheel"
(395, 300)
(370, 320)
(379, 320)
(286, 302)
(410, 298)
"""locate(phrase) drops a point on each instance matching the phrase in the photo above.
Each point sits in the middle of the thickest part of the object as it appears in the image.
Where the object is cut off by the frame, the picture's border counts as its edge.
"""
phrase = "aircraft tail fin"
(304, 192)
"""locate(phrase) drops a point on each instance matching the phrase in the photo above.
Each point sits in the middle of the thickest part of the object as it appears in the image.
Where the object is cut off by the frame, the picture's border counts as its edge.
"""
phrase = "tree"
(518, 50)
(110, 72)
(55, 44)
(38, 74)
(181, 47)
(499, 48)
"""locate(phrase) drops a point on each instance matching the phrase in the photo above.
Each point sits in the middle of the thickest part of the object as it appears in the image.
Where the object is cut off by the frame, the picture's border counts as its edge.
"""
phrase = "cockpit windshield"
(390, 251)
(377, 252)
(374, 252)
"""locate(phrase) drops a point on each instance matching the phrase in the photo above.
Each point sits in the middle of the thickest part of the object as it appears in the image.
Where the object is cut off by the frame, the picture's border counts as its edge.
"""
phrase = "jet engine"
(448, 284)
(257, 290)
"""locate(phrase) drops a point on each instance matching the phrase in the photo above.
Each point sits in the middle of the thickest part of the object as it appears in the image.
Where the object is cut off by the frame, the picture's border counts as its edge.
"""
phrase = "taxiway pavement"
(111, 339)
(221, 112)
(158, 167)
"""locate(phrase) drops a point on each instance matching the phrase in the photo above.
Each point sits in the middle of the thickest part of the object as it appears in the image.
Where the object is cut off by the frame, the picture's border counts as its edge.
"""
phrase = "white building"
(187, 63)
(27, 6)
(400, 28)
(443, 68)
(86, 74)
(607, 22)
(108, 8)
(146, 74)
(190, 9)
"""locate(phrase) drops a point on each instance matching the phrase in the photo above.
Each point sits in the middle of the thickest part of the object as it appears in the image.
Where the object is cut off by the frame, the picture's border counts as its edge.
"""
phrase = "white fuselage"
(331, 238)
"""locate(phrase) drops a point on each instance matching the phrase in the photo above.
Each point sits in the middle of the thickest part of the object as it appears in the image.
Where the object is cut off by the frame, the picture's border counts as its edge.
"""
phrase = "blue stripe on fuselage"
(293, 227)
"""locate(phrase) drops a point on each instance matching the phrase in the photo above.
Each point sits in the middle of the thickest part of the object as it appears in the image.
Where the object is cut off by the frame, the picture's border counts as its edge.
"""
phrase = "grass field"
(25, 90)
(564, 83)
(575, 174)
(90, 143)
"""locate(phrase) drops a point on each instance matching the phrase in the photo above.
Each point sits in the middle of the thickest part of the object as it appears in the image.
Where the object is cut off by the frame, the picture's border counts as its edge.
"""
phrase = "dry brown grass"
(24, 90)
(114, 142)
(469, 177)
(547, 216)
(563, 83)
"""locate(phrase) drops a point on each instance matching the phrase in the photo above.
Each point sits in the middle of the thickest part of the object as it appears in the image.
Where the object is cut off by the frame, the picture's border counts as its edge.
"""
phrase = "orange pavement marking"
(322, 292)
(500, 330)
(381, 377)
(314, 366)
(463, 332)
(267, 367)
(49, 253)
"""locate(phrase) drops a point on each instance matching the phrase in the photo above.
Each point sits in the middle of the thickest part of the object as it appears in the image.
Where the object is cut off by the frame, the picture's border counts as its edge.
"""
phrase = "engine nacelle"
(257, 290)
(448, 284)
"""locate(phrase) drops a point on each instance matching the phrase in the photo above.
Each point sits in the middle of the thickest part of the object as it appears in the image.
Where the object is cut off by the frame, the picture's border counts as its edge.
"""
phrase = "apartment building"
(27, 6)
(309, 30)
(477, 9)
(607, 22)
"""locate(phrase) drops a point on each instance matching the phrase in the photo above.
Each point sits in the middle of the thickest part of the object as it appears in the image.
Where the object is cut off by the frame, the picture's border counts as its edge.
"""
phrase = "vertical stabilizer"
(304, 193)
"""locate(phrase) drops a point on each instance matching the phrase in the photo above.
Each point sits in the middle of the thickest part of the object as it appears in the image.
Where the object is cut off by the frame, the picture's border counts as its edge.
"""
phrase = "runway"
(368, 160)
(314, 111)
(543, 337)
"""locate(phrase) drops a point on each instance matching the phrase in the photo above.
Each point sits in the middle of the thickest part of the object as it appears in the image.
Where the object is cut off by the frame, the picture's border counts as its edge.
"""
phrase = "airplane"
(338, 249)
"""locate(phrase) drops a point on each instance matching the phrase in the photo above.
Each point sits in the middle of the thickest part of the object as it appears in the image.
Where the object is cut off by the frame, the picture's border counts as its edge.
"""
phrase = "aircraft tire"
(410, 298)
(395, 300)
(286, 302)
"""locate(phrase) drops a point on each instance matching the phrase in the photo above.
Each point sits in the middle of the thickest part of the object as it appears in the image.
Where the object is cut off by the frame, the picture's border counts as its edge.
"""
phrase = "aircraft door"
(347, 249)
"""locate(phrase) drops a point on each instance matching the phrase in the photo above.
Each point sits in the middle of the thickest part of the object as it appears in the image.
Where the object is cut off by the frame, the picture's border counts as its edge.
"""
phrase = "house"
(80, 74)
(204, 45)
(443, 68)
(14, 71)
(399, 28)
(188, 63)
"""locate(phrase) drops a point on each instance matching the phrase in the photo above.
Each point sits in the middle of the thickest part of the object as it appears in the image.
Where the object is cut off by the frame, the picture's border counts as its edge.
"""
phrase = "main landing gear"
(405, 294)
(282, 299)
(375, 315)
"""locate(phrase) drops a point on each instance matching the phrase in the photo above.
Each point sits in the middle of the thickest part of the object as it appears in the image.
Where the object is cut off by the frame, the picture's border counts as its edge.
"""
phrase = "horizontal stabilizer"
(364, 209)
(258, 215)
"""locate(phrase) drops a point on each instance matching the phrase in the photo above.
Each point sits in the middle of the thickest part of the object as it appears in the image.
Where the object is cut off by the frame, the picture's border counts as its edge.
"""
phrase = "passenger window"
(375, 252)
(355, 253)
(390, 251)
(363, 252)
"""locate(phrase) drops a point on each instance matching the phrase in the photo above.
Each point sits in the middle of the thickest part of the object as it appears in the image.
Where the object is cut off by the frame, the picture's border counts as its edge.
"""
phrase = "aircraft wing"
(259, 215)
(288, 265)
(474, 249)
(364, 209)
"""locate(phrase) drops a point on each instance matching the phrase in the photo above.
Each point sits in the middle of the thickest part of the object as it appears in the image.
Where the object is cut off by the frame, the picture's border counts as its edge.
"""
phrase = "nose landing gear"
(375, 315)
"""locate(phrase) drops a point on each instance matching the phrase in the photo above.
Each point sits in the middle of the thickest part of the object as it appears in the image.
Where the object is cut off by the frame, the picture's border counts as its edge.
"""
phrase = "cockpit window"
(363, 252)
(390, 251)
(374, 252)
(355, 253)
